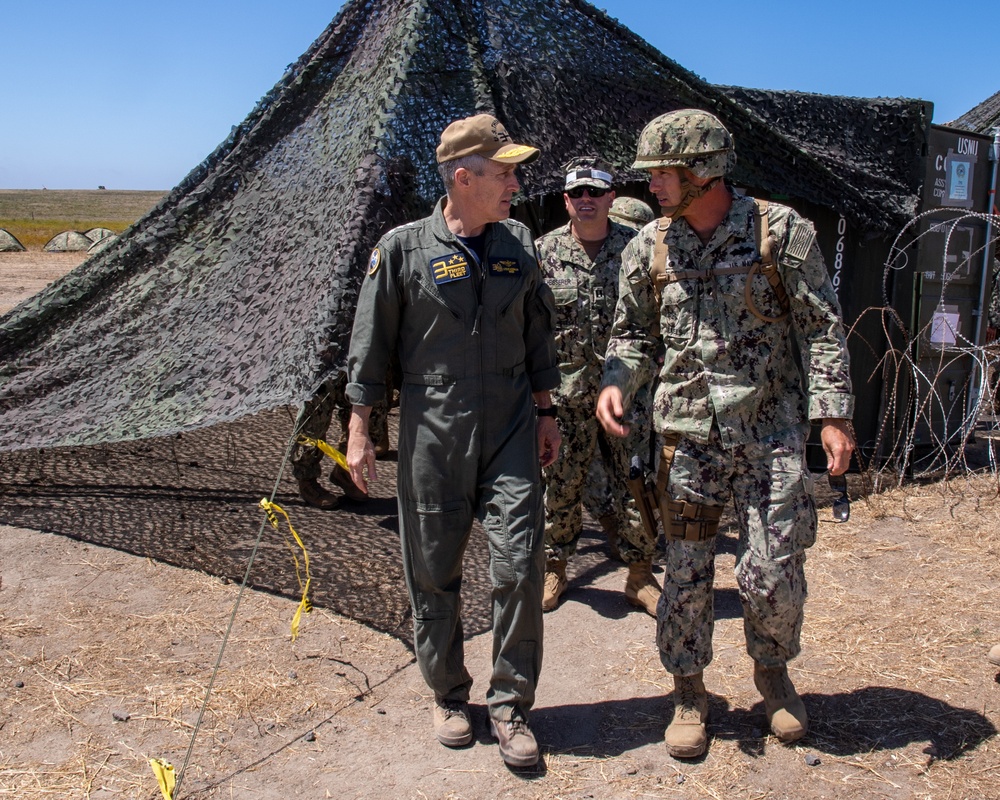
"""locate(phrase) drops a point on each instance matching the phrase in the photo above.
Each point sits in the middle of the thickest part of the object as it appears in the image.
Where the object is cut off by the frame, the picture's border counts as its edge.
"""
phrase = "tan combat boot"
(342, 478)
(609, 524)
(785, 710)
(994, 655)
(452, 723)
(315, 495)
(641, 588)
(555, 583)
(686, 736)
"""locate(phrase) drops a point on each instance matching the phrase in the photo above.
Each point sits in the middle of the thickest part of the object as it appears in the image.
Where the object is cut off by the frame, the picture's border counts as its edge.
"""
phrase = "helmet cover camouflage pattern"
(687, 138)
(631, 211)
(588, 171)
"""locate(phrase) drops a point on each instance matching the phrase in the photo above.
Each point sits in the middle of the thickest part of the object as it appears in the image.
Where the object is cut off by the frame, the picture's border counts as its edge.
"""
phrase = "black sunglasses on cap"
(577, 191)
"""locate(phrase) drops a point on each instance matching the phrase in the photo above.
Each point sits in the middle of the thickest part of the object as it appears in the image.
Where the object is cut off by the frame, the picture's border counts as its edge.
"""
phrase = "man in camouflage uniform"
(598, 497)
(459, 298)
(581, 262)
(734, 401)
(315, 417)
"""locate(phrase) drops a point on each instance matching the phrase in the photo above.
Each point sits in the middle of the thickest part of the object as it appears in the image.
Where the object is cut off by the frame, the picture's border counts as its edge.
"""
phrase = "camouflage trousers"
(772, 493)
(598, 491)
(314, 421)
(565, 483)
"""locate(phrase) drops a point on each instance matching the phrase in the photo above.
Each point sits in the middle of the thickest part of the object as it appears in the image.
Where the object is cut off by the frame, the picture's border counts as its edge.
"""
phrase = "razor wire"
(921, 397)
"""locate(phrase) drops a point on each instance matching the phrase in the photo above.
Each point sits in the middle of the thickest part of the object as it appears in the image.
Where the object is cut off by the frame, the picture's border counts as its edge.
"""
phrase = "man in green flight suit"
(459, 297)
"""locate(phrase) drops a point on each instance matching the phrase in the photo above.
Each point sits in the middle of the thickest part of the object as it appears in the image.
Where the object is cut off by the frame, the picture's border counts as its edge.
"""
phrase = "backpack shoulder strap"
(768, 264)
(658, 269)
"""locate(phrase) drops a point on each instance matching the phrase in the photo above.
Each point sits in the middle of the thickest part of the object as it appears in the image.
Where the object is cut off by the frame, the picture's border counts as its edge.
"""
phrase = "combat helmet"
(687, 138)
(632, 212)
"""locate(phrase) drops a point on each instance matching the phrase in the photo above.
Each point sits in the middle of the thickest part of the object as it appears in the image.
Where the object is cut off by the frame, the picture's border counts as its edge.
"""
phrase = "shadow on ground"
(845, 724)
(192, 500)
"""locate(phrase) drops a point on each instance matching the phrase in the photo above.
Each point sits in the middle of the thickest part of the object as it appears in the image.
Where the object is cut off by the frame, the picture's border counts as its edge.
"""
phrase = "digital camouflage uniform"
(599, 498)
(598, 491)
(732, 386)
(586, 293)
(473, 344)
(314, 421)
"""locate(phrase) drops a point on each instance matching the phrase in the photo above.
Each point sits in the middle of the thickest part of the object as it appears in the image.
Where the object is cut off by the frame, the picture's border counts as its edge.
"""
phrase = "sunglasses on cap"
(577, 191)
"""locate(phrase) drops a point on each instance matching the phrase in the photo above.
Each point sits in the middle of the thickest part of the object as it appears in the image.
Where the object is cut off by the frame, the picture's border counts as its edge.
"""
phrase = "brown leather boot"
(785, 710)
(342, 478)
(555, 583)
(685, 736)
(609, 524)
(641, 588)
(518, 747)
(452, 723)
(315, 495)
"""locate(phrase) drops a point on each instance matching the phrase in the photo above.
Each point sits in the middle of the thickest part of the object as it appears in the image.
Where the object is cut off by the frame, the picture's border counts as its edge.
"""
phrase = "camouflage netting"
(981, 119)
(871, 143)
(236, 293)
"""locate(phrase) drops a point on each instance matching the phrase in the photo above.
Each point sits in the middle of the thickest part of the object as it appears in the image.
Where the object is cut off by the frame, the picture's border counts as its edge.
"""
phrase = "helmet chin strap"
(689, 193)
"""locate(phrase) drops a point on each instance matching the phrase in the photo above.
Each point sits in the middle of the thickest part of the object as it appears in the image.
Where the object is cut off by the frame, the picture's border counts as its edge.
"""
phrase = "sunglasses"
(577, 191)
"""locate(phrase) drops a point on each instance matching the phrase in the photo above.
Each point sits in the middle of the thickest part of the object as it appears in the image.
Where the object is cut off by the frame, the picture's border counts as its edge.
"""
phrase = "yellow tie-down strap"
(165, 777)
(272, 510)
(324, 448)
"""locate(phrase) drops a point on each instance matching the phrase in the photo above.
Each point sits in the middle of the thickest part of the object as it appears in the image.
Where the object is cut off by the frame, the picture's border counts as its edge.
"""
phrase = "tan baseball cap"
(486, 136)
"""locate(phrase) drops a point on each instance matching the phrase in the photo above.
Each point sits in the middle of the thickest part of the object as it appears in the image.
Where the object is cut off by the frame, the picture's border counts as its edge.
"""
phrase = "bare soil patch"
(106, 654)
(25, 274)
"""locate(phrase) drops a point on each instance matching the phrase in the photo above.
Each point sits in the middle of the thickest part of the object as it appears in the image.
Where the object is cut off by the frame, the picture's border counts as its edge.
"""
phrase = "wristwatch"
(547, 412)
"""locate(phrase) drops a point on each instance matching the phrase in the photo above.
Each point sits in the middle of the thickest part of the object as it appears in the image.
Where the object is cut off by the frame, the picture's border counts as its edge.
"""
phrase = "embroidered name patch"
(504, 266)
(452, 267)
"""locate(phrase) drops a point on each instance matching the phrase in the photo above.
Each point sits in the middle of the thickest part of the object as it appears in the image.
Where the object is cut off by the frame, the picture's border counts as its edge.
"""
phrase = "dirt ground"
(25, 274)
(106, 659)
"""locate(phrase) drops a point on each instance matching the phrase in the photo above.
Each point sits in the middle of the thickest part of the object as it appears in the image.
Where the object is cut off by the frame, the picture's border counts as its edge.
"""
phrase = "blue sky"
(133, 95)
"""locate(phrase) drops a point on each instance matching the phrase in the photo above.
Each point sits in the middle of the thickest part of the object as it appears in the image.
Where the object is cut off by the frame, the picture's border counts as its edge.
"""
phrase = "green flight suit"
(474, 341)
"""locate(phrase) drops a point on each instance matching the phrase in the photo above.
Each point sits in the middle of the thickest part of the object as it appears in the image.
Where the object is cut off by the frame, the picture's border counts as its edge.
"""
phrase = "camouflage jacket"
(586, 294)
(721, 363)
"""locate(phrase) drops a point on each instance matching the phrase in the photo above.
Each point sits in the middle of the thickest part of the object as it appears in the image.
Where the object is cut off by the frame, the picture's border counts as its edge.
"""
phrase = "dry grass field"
(34, 216)
(107, 652)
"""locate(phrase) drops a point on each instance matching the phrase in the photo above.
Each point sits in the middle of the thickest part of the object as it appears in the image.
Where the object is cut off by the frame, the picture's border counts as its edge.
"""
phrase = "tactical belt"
(682, 521)
(446, 380)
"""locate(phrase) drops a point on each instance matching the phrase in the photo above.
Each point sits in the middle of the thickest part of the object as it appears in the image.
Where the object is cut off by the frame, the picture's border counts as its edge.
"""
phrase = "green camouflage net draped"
(236, 294)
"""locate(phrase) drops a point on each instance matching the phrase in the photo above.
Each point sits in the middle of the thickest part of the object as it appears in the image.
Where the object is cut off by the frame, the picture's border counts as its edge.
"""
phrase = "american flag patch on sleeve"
(799, 241)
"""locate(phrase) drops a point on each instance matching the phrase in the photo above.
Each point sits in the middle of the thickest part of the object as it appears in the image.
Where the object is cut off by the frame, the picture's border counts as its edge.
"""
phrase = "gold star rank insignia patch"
(374, 262)
(452, 267)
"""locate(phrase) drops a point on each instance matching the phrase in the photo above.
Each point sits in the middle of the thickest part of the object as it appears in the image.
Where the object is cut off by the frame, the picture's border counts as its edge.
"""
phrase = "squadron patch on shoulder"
(504, 266)
(452, 267)
(374, 262)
